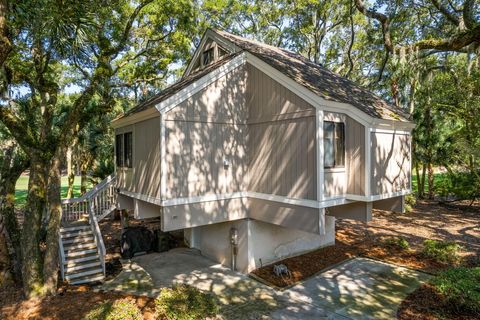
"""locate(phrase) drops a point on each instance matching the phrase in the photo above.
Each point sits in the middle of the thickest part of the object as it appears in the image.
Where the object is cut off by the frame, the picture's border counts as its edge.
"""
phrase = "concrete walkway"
(357, 289)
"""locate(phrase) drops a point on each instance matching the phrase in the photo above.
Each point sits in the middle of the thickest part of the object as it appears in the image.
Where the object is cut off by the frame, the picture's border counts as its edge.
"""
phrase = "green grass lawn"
(21, 189)
(437, 178)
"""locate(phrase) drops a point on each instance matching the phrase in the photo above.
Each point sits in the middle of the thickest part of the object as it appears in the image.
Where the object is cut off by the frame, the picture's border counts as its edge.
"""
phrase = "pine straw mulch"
(426, 303)
(70, 303)
(428, 220)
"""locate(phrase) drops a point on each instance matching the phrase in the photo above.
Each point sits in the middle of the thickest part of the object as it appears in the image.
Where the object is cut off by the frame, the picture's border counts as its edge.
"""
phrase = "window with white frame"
(334, 144)
(124, 150)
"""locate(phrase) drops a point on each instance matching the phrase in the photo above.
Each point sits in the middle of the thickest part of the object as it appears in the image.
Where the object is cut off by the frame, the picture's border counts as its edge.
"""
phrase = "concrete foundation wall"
(259, 243)
(125, 202)
(145, 210)
(396, 204)
(361, 211)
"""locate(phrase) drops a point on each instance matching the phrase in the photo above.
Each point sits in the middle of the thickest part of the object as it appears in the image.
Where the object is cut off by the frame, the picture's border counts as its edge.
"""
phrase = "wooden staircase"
(81, 248)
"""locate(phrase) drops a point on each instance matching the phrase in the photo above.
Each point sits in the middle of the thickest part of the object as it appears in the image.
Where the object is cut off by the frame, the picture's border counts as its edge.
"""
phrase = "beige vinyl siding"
(281, 139)
(286, 215)
(146, 157)
(144, 176)
(203, 213)
(391, 163)
(355, 156)
(201, 133)
(125, 176)
(195, 158)
(282, 158)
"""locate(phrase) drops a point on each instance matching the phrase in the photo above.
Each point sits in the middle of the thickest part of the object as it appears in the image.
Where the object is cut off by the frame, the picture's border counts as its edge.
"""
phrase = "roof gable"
(318, 79)
(313, 77)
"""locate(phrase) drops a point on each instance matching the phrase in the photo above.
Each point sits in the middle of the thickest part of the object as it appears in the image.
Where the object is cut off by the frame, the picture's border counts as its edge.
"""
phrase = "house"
(256, 151)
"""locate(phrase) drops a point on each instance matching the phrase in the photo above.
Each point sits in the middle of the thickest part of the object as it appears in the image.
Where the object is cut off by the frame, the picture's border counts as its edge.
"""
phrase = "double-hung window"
(124, 150)
(334, 144)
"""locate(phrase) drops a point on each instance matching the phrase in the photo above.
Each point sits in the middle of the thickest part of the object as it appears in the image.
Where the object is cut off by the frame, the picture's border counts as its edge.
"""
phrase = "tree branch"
(126, 32)
(17, 128)
(382, 19)
(449, 15)
(468, 14)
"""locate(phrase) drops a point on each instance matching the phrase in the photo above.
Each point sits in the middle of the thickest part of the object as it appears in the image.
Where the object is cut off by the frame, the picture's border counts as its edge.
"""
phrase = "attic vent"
(221, 52)
(207, 56)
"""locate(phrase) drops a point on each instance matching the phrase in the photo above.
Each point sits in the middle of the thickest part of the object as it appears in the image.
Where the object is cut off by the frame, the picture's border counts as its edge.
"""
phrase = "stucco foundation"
(259, 243)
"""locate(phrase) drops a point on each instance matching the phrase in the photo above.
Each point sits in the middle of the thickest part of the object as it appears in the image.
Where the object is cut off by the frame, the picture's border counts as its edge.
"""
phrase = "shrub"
(115, 310)
(397, 242)
(184, 303)
(442, 251)
(410, 202)
(461, 289)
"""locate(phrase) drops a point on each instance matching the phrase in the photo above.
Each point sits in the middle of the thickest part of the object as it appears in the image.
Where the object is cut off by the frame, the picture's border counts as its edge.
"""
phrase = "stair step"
(70, 240)
(80, 253)
(76, 261)
(84, 273)
(76, 233)
(81, 239)
(75, 228)
(78, 267)
(99, 277)
(79, 246)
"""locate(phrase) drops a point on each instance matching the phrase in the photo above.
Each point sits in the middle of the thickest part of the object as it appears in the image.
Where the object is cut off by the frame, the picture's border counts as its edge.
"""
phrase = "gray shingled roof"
(318, 79)
(312, 76)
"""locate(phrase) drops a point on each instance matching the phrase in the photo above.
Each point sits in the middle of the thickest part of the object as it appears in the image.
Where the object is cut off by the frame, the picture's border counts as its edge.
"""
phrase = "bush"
(442, 251)
(461, 289)
(115, 310)
(397, 242)
(410, 202)
(184, 303)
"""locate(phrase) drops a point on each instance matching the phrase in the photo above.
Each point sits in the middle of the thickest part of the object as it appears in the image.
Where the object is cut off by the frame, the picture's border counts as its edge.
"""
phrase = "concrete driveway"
(357, 289)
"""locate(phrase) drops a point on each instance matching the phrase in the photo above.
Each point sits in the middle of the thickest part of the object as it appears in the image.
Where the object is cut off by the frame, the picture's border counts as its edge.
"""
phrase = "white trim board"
(377, 197)
(326, 203)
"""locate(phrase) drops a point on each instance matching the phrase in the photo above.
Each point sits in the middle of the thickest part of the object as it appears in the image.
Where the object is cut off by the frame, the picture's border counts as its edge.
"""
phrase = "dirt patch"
(72, 303)
(426, 303)
(428, 220)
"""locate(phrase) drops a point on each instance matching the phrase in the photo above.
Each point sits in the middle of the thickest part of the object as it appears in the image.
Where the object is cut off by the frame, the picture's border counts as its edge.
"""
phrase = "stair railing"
(102, 196)
(97, 235)
(61, 253)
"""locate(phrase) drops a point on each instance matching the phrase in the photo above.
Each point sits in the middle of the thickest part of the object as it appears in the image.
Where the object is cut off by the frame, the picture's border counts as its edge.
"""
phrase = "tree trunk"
(421, 183)
(83, 173)
(431, 186)
(70, 173)
(50, 263)
(31, 233)
(6, 277)
(13, 164)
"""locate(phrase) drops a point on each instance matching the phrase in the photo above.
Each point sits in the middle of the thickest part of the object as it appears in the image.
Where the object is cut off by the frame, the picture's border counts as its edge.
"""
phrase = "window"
(207, 56)
(334, 144)
(124, 150)
(128, 149)
(119, 150)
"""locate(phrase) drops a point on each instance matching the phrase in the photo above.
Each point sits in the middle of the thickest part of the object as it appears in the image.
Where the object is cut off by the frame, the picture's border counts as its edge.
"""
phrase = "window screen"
(328, 146)
(334, 144)
(128, 150)
(119, 150)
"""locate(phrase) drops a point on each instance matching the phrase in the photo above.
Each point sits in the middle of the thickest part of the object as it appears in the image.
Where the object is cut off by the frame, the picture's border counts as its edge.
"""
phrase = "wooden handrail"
(102, 196)
(90, 193)
(61, 256)
(97, 235)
